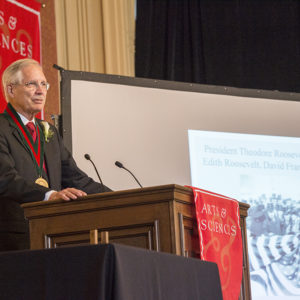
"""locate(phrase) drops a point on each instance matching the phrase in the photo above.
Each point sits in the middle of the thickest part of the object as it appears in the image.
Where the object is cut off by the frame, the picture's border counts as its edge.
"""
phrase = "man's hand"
(67, 194)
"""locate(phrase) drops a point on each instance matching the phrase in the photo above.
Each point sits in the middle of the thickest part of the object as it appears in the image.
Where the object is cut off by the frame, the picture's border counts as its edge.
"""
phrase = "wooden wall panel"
(49, 56)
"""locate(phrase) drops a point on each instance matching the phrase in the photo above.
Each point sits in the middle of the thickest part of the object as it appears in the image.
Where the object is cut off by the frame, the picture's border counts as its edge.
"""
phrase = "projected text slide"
(263, 171)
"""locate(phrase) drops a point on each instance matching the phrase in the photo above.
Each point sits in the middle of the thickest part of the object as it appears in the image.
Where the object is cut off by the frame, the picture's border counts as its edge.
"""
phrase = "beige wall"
(96, 35)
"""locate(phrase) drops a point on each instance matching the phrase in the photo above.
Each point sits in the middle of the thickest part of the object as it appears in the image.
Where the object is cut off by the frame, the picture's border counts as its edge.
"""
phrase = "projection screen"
(237, 142)
(144, 123)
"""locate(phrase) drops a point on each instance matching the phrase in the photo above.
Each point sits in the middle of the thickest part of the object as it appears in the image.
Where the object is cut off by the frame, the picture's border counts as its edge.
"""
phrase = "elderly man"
(34, 164)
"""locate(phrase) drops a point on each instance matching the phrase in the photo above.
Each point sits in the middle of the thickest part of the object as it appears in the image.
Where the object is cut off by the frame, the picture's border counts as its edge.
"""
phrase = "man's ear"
(9, 90)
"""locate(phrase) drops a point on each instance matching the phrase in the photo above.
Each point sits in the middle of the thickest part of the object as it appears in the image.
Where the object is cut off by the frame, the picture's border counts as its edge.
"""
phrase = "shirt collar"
(25, 120)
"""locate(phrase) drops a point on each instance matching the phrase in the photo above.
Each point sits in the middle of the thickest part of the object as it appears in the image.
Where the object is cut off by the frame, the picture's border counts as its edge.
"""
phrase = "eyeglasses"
(34, 85)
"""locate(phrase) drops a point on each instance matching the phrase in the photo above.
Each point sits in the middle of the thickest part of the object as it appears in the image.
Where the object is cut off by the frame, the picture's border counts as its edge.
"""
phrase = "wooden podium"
(160, 218)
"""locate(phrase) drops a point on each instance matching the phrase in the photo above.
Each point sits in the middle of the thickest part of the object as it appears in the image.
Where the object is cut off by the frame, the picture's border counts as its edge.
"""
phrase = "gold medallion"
(41, 181)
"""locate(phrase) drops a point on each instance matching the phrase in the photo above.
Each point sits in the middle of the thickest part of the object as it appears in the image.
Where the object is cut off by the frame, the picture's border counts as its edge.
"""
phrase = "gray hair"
(12, 74)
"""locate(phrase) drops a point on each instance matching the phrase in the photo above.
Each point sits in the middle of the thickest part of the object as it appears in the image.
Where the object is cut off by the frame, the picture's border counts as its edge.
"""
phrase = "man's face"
(29, 97)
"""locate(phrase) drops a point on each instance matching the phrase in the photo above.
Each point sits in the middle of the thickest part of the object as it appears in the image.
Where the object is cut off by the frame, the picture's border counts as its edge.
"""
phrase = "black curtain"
(248, 44)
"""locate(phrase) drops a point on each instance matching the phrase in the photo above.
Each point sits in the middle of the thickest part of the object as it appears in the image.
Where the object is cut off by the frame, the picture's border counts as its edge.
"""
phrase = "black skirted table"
(106, 272)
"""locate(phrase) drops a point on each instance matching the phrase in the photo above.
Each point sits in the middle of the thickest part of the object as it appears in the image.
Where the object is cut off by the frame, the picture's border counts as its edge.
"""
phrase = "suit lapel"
(16, 134)
(50, 156)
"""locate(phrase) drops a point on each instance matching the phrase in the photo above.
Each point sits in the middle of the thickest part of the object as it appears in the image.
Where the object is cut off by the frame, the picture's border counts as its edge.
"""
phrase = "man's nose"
(39, 89)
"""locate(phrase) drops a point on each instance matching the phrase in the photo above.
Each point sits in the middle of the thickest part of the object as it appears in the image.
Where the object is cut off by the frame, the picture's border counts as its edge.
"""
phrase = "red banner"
(220, 238)
(19, 34)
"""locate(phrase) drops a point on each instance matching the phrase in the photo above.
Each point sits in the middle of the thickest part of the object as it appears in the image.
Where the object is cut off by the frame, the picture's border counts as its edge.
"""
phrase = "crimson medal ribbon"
(36, 149)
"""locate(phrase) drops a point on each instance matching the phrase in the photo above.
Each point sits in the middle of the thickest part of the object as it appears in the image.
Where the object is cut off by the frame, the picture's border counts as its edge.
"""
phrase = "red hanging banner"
(19, 34)
(220, 238)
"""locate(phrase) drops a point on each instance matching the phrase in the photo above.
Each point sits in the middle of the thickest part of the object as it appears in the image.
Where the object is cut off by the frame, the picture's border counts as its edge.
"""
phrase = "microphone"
(87, 157)
(120, 165)
(58, 67)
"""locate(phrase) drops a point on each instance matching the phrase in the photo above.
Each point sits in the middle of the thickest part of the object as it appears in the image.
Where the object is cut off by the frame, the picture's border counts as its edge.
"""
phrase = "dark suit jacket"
(18, 175)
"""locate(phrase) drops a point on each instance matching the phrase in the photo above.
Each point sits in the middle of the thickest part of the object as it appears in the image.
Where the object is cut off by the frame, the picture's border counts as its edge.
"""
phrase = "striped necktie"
(31, 128)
